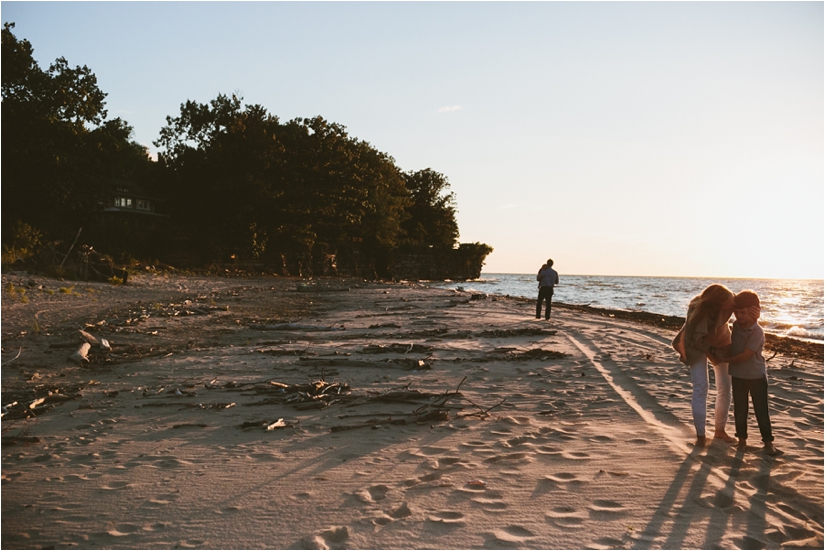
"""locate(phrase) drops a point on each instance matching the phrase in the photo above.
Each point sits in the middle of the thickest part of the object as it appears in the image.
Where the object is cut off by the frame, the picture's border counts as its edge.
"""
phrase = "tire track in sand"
(648, 408)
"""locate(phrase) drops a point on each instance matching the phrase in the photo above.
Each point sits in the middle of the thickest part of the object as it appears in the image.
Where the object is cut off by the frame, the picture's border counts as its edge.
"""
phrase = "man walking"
(547, 278)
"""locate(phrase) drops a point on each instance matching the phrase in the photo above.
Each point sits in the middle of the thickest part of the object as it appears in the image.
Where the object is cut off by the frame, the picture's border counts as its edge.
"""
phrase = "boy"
(748, 370)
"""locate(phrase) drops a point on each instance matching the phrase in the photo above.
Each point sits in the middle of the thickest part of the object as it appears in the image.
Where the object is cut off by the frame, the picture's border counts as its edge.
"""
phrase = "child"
(748, 370)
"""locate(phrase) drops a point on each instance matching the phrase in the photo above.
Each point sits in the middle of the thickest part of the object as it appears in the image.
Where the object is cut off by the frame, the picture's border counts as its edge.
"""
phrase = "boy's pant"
(758, 389)
(545, 293)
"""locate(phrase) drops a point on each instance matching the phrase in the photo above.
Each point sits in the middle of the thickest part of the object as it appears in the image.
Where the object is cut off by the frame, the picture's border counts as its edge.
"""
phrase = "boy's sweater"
(752, 338)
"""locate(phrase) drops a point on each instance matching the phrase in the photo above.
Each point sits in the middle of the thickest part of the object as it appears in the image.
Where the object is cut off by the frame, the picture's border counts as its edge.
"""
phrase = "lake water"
(790, 307)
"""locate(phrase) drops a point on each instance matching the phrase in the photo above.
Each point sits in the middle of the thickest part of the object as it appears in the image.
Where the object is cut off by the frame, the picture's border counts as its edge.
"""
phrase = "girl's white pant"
(698, 403)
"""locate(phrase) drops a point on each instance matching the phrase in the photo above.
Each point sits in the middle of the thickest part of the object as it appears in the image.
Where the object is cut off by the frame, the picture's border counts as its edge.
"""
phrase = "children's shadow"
(681, 507)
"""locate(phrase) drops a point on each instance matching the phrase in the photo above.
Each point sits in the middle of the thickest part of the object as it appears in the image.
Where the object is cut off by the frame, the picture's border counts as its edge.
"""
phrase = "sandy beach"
(343, 414)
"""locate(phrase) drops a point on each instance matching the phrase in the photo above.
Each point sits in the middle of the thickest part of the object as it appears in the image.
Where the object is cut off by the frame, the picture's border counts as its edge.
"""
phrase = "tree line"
(239, 184)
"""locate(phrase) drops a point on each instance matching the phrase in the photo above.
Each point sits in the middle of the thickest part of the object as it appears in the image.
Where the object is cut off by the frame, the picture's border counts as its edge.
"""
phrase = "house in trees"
(128, 204)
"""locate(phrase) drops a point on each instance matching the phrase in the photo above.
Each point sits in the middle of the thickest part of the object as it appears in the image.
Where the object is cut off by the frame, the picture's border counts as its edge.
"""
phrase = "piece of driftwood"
(293, 327)
(395, 348)
(101, 344)
(72, 247)
(340, 362)
(425, 417)
(88, 337)
(436, 410)
(7, 362)
(522, 332)
(81, 356)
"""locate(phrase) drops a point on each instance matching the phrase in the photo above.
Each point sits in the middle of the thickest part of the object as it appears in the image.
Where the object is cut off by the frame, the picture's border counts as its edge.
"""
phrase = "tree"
(58, 148)
(432, 213)
(223, 157)
(254, 188)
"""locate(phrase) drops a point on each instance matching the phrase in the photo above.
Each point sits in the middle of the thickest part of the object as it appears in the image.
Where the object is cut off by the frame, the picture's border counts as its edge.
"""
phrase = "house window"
(124, 202)
(143, 204)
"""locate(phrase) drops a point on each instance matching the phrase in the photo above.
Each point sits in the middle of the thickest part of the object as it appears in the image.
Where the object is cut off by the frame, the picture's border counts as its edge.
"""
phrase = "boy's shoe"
(701, 442)
(742, 445)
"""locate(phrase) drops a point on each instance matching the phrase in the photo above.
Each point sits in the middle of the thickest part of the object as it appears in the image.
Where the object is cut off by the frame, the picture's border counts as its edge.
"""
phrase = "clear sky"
(664, 139)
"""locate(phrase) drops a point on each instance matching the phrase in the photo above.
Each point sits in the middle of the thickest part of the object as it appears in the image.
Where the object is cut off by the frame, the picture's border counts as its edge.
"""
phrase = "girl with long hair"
(706, 329)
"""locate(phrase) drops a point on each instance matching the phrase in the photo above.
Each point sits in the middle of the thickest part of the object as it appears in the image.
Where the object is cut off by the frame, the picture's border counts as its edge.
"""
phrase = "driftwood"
(72, 247)
(395, 348)
(81, 356)
(431, 412)
(293, 327)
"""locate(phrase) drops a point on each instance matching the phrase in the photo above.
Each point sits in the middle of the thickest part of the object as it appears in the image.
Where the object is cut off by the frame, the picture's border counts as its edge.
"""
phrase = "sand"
(450, 421)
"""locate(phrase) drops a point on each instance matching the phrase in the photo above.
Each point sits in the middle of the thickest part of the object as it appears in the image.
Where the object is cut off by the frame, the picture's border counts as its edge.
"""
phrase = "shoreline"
(790, 346)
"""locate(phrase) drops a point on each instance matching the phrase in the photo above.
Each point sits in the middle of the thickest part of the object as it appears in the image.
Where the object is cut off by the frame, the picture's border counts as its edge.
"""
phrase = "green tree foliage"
(432, 213)
(58, 148)
(253, 187)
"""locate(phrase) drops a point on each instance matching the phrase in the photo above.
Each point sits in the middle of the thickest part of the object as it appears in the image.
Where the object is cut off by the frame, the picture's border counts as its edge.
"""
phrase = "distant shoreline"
(713, 278)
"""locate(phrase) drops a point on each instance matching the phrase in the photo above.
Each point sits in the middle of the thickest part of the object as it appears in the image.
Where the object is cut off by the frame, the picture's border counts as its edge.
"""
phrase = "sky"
(618, 138)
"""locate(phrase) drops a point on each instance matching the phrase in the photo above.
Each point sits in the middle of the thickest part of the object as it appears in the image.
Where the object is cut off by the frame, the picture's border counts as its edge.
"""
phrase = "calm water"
(790, 307)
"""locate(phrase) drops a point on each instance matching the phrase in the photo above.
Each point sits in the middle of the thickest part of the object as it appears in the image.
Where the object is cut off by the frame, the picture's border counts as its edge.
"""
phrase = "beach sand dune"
(337, 414)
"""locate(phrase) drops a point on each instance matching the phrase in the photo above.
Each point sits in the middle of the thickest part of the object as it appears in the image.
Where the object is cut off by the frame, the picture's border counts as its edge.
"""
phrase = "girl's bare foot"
(701, 442)
(725, 437)
(770, 449)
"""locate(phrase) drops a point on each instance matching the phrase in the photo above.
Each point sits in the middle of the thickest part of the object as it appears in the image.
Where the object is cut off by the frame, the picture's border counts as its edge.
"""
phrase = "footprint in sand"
(265, 457)
(443, 462)
(334, 537)
(172, 463)
(161, 500)
(230, 509)
(518, 441)
(510, 536)
(383, 520)
(749, 542)
(517, 420)
(602, 507)
(478, 488)
(116, 485)
(123, 530)
(476, 444)
(563, 478)
(490, 505)
(716, 501)
(609, 543)
(789, 476)
(564, 516)
(638, 441)
(447, 517)
(8, 477)
(401, 512)
(576, 455)
(372, 494)
(425, 452)
(520, 458)
(429, 477)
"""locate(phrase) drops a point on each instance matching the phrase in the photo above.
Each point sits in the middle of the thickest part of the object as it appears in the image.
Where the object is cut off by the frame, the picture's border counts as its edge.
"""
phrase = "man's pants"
(545, 293)
(758, 389)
